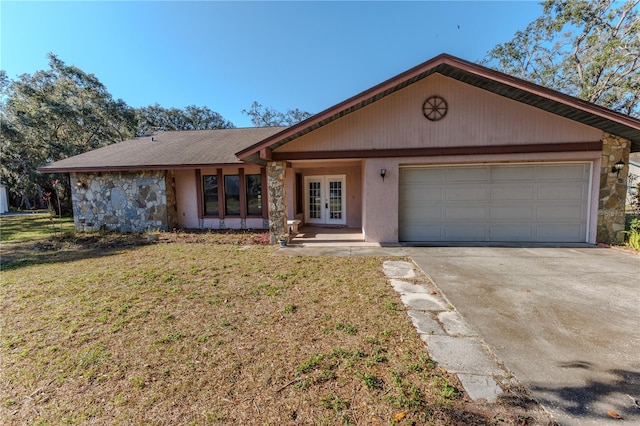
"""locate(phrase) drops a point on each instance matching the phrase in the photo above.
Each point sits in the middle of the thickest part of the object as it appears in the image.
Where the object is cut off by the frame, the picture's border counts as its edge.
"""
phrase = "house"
(446, 151)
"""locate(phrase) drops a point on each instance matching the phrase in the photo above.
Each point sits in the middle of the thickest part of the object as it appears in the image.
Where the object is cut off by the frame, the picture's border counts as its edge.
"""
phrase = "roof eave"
(520, 90)
(133, 168)
(549, 100)
(343, 108)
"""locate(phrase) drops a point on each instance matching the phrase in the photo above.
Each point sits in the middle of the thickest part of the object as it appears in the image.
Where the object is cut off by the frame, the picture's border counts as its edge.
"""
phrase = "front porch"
(325, 196)
(319, 236)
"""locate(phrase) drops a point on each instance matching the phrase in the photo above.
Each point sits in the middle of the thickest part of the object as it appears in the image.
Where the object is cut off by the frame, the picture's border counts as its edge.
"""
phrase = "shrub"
(633, 234)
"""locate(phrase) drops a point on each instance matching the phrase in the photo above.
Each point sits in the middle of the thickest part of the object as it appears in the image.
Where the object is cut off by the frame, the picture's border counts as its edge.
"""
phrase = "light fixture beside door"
(81, 183)
(617, 167)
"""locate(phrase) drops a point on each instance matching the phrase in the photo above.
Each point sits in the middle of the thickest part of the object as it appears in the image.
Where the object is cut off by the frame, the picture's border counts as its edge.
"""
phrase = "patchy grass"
(194, 330)
(32, 226)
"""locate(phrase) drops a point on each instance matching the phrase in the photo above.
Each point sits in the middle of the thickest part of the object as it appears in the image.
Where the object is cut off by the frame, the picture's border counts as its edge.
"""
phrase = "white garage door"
(520, 202)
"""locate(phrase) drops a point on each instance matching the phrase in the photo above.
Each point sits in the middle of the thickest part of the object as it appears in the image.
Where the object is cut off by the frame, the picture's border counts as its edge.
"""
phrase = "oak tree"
(586, 48)
(50, 115)
(262, 116)
(157, 118)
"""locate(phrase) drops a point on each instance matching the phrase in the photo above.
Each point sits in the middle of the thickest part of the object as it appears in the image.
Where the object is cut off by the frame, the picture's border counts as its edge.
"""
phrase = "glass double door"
(325, 198)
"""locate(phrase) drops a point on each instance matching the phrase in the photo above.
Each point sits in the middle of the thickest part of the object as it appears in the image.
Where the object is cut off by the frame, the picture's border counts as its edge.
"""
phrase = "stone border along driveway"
(450, 342)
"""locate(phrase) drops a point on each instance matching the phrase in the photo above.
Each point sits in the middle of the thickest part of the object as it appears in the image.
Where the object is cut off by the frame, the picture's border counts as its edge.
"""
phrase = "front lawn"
(197, 329)
(32, 226)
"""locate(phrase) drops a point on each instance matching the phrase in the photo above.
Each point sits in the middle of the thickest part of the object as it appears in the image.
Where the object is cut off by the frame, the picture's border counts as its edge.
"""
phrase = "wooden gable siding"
(475, 118)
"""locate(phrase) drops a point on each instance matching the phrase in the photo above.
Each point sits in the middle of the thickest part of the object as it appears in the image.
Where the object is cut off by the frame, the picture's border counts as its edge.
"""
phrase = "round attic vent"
(435, 108)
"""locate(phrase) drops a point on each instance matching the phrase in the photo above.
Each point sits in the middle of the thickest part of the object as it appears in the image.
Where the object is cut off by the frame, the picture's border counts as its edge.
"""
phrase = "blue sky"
(225, 55)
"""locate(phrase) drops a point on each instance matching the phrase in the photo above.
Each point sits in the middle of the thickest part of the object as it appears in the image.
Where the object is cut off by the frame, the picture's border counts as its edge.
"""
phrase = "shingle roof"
(475, 75)
(188, 149)
(167, 150)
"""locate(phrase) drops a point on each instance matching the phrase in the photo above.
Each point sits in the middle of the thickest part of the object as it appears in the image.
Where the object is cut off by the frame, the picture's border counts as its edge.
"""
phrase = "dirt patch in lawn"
(213, 329)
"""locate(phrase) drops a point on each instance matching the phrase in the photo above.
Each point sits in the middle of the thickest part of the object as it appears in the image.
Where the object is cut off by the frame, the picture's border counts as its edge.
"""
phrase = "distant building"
(4, 202)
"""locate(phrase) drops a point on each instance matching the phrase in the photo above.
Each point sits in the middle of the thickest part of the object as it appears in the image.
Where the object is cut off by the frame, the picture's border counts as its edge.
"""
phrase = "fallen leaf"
(398, 416)
(614, 414)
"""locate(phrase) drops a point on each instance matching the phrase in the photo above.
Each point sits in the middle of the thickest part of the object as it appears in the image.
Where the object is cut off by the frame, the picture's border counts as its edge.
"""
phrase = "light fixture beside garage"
(383, 173)
(617, 167)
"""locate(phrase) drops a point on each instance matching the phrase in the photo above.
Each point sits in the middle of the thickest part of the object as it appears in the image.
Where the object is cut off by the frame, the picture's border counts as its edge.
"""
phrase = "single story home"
(447, 151)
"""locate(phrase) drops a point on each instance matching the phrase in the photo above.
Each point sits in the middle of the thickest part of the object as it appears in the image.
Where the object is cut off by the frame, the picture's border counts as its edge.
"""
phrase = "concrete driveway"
(565, 321)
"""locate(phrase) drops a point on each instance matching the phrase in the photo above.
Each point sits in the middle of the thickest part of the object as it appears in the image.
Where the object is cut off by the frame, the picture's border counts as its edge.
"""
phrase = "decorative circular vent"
(435, 108)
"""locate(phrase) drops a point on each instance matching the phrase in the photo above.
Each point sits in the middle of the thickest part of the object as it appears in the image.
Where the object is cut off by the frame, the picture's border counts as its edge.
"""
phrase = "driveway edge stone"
(450, 341)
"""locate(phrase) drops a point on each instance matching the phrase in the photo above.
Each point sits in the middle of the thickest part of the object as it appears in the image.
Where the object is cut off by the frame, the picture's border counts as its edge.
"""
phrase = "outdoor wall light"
(81, 184)
(383, 173)
(617, 167)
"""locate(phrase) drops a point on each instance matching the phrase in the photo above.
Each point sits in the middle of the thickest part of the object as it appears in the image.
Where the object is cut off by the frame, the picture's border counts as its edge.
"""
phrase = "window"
(232, 195)
(210, 190)
(236, 195)
(254, 195)
(315, 201)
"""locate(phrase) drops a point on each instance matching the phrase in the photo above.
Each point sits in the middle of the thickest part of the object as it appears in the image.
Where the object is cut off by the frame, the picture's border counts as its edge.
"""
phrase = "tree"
(156, 118)
(269, 117)
(586, 48)
(50, 115)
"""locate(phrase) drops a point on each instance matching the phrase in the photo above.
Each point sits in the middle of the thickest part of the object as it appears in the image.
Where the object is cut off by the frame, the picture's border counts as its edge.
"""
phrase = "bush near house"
(633, 232)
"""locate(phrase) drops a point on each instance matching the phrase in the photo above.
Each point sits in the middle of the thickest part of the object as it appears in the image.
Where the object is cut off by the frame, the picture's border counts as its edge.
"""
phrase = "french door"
(325, 198)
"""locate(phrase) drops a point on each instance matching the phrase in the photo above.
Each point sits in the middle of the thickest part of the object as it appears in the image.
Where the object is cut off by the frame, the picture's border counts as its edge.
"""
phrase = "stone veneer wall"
(613, 190)
(172, 203)
(122, 201)
(277, 204)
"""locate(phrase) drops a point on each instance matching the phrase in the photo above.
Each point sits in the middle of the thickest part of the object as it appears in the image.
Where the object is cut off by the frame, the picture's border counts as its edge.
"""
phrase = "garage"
(494, 203)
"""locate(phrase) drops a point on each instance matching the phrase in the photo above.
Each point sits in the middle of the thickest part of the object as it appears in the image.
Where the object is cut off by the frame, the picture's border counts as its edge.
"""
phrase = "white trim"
(325, 181)
(589, 196)
(496, 163)
(588, 233)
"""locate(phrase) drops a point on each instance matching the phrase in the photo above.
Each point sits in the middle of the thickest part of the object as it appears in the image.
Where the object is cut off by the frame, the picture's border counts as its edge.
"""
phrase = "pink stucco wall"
(380, 199)
(186, 198)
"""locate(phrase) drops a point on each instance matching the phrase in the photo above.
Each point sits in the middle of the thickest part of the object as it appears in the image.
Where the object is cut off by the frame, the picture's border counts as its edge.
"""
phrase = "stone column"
(172, 206)
(613, 190)
(277, 200)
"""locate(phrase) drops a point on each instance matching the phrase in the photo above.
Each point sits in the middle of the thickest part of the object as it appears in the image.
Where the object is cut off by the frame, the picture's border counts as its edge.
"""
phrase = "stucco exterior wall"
(380, 198)
(120, 201)
(186, 199)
